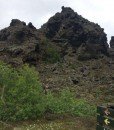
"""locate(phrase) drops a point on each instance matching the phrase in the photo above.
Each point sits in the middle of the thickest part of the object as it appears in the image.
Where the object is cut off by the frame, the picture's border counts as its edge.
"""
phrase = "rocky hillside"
(68, 51)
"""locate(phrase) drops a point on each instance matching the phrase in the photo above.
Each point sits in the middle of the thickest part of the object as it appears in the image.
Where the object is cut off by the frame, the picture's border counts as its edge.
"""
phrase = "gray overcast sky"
(39, 11)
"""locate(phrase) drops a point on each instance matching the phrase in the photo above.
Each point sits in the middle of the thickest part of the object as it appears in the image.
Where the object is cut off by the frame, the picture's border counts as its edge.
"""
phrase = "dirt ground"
(67, 123)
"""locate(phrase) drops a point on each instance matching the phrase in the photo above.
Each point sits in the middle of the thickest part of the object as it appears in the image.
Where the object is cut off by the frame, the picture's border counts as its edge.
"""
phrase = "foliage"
(67, 103)
(51, 53)
(22, 97)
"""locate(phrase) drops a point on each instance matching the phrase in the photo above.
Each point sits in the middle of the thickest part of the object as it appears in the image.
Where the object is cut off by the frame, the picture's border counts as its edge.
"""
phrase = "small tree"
(21, 95)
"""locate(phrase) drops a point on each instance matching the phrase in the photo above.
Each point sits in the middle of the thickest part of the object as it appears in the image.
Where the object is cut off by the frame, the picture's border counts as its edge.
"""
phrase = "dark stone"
(111, 49)
(20, 35)
(16, 22)
(112, 77)
(112, 42)
(85, 70)
(15, 52)
(30, 25)
(75, 81)
(68, 32)
(21, 42)
(4, 34)
(76, 30)
(31, 59)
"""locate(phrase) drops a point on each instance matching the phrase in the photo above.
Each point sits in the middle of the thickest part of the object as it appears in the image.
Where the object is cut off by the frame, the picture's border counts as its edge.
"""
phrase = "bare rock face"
(112, 42)
(111, 49)
(69, 27)
(16, 22)
(19, 43)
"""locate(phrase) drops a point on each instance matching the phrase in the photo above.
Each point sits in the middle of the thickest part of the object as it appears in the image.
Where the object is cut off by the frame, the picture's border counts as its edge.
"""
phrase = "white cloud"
(39, 11)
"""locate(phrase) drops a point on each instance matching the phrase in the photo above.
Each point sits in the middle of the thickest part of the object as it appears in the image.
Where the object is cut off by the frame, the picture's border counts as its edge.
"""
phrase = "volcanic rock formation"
(111, 49)
(19, 43)
(69, 27)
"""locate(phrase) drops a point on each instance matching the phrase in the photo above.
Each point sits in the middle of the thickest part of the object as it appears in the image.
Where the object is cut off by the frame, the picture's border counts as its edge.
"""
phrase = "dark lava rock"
(69, 33)
(112, 42)
(19, 42)
(72, 28)
(75, 81)
(111, 49)
(30, 25)
(84, 70)
(16, 22)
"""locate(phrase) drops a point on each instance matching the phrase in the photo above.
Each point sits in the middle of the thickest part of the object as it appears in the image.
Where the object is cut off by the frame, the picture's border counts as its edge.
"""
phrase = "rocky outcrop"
(72, 38)
(111, 49)
(19, 43)
(112, 42)
(69, 27)
(65, 35)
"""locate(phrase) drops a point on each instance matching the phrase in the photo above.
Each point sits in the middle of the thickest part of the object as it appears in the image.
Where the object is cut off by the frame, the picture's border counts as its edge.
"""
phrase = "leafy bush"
(60, 104)
(22, 97)
(66, 102)
(51, 54)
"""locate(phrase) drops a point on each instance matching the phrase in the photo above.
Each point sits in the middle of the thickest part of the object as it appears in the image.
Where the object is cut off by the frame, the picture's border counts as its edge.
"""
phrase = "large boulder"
(69, 27)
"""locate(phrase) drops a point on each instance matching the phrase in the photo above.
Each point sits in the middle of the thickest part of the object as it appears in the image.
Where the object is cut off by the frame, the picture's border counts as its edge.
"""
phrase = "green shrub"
(66, 102)
(83, 108)
(60, 104)
(51, 54)
(22, 97)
